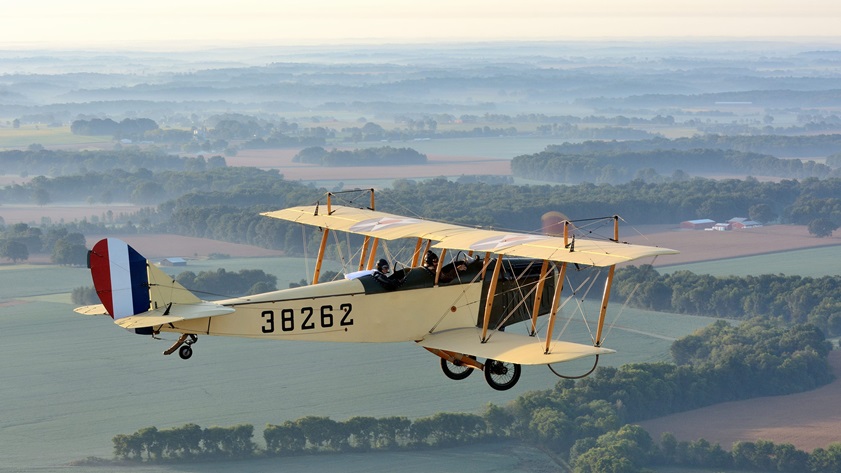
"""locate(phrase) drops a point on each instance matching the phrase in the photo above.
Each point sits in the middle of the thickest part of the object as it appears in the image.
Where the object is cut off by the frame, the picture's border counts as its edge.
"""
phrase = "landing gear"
(456, 369)
(185, 352)
(183, 345)
(501, 375)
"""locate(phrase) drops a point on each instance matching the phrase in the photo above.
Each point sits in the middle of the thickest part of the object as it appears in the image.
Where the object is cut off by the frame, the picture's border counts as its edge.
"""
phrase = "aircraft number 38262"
(309, 317)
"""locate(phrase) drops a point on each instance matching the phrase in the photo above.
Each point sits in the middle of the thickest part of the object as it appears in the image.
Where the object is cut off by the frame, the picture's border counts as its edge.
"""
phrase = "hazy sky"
(181, 24)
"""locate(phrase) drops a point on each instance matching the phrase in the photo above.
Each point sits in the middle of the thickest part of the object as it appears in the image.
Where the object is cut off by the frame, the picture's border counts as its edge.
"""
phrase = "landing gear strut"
(183, 345)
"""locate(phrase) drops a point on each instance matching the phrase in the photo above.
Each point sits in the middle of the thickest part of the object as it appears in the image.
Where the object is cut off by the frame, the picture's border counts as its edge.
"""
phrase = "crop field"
(21, 138)
(73, 382)
(811, 262)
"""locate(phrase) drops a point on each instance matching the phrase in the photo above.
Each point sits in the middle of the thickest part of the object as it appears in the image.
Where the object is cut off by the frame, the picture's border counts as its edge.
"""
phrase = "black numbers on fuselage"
(326, 317)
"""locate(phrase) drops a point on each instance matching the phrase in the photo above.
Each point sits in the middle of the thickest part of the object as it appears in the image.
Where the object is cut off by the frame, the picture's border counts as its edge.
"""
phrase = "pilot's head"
(431, 259)
(382, 266)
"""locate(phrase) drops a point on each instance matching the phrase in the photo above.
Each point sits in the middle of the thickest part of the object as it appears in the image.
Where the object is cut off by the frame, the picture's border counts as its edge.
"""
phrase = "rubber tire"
(456, 370)
(185, 352)
(501, 375)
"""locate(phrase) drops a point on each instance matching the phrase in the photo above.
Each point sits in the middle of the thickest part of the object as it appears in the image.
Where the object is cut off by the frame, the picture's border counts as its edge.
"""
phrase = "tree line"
(788, 299)
(130, 128)
(580, 421)
(224, 204)
(38, 161)
(627, 449)
(622, 166)
(20, 240)
(776, 145)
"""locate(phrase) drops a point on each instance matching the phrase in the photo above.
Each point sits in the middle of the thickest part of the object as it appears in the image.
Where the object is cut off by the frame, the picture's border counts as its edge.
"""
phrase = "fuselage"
(349, 310)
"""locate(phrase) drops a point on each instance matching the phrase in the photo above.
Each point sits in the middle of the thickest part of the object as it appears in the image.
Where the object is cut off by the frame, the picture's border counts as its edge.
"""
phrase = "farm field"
(438, 165)
(806, 420)
(809, 262)
(77, 381)
(21, 138)
(710, 247)
(61, 212)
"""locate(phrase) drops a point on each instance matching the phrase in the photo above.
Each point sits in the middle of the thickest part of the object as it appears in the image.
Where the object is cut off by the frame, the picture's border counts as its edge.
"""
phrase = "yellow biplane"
(456, 310)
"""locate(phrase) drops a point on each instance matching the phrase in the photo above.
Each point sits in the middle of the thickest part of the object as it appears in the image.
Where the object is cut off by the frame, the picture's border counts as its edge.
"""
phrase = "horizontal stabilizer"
(508, 347)
(96, 309)
(173, 313)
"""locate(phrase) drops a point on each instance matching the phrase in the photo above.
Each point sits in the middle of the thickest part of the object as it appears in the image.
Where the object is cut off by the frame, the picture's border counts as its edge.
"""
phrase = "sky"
(184, 24)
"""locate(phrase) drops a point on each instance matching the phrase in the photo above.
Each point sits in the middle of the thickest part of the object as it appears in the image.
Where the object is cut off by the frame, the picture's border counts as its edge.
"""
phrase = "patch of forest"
(615, 166)
(224, 204)
(587, 422)
(788, 299)
(775, 145)
(37, 161)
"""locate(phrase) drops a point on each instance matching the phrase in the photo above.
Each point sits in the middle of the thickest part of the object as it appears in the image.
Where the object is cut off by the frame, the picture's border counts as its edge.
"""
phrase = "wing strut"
(556, 303)
(607, 286)
(416, 254)
(364, 254)
(320, 254)
(490, 299)
(538, 297)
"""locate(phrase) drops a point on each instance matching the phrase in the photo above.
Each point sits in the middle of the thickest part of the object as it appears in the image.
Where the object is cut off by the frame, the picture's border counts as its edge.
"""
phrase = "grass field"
(72, 382)
(810, 262)
(21, 138)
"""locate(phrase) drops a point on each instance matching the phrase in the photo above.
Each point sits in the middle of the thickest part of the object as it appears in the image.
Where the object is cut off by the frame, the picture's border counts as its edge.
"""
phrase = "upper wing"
(508, 347)
(389, 227)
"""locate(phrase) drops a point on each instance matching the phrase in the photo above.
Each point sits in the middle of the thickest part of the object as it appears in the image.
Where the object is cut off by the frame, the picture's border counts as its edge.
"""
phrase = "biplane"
(456, 305)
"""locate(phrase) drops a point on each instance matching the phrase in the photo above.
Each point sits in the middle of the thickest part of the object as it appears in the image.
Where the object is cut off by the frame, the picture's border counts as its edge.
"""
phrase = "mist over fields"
(195, 144)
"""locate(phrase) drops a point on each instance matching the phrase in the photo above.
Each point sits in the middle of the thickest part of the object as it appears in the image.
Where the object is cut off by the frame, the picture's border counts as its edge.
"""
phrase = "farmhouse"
(701, 224)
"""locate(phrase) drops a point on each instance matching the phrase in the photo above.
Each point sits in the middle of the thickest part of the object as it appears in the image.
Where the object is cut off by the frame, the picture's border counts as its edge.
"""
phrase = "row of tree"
(627, 449)
(776, 145)
(39, 161)
(127, 128)
(789, 299)
(720, 363)
(225, 203)
(20, 240)
(622, 166)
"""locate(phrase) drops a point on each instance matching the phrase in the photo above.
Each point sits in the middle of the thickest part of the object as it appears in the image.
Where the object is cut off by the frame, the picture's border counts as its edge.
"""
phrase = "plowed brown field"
(700, 245)
(806, 420)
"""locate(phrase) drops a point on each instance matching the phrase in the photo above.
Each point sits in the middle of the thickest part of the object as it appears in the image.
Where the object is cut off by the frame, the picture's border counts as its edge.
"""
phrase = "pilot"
(389, 282)
(448, 273)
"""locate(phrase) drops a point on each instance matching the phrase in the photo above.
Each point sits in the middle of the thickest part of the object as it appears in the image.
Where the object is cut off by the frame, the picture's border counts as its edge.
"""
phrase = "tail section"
(128, 285)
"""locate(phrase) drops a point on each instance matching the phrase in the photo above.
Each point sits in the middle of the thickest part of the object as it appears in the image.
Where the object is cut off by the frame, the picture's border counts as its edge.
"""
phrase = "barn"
(700, 224)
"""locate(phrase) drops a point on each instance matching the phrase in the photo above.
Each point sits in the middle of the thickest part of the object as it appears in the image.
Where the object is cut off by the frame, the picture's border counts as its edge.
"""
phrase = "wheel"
(456, 370)
(501, 375)
(185, 352)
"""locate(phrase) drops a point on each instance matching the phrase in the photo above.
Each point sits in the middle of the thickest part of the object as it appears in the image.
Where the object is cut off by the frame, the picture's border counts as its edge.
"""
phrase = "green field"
(811, 262)
(72, 382)
(21, 138)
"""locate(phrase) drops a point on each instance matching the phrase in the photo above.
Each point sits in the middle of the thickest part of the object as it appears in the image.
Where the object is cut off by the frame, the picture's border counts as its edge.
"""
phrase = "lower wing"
(508, 347)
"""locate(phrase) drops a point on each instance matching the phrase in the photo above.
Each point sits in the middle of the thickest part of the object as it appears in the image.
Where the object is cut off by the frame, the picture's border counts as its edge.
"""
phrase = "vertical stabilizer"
(120, 278)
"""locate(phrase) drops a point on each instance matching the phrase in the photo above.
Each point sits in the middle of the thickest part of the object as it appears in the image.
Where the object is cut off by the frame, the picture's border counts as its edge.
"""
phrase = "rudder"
(120, 278)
